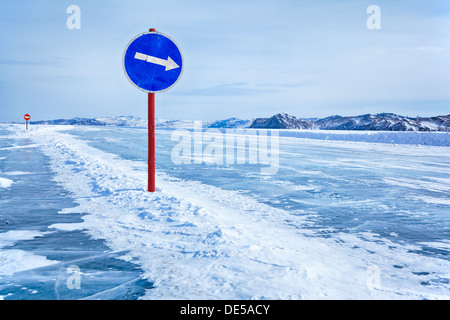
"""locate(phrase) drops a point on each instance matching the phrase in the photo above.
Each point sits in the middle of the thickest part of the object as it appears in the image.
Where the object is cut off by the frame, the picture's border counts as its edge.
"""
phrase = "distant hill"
(377, 122)
(74, 121)
(123, 121)
(282, 121)
(230, 123)
(120, 121)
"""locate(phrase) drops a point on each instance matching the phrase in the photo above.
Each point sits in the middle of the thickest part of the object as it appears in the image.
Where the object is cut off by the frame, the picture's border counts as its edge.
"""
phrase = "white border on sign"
(164, 35)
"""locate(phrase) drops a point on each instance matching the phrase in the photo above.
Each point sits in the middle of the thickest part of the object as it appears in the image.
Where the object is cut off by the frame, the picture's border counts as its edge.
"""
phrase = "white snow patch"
(15, 260)
(21, 147)
(67, 226)
(10, 237)
(15, 173)
(443, 245)
(433, 200)
(419, 184)
(5, 183)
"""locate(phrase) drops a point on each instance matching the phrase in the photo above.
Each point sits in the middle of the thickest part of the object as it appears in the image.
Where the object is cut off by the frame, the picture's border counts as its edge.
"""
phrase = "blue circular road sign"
(153, 62)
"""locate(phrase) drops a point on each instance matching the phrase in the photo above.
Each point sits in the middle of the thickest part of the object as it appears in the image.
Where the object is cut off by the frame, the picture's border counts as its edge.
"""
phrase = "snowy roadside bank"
(196, 241)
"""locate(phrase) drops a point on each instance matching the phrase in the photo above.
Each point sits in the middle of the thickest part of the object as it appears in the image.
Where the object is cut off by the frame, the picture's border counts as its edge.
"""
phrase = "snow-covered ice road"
(338, 220)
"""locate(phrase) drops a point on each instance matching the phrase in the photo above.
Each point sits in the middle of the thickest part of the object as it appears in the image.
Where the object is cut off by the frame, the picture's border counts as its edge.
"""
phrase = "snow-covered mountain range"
(281, 121)
(121, 121)
(74, 121)
(230, 123)
(377, 122)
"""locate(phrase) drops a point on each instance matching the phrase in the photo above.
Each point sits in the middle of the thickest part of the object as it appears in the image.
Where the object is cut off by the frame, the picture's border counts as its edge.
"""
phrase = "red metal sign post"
(27, 117)
(151, 138)
(151, 142)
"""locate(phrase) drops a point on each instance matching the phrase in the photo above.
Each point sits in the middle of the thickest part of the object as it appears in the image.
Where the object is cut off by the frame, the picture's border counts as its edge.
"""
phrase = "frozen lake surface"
(343, 217)
(36, 258)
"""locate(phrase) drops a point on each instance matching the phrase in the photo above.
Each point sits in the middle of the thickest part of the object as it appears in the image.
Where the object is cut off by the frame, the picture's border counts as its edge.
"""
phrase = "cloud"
(427, 49)
(226, 89)
(284, 85)
(47, 62)
(240, 89)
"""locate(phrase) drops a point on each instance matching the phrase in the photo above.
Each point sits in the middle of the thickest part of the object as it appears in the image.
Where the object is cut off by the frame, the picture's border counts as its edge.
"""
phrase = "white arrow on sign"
(169, 63)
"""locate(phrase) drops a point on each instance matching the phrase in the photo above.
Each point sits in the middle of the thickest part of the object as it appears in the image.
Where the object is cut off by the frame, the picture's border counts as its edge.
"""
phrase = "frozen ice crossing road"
(339, 220)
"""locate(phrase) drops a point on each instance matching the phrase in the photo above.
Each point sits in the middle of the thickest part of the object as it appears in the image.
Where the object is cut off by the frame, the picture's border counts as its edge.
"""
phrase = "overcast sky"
(242, 58)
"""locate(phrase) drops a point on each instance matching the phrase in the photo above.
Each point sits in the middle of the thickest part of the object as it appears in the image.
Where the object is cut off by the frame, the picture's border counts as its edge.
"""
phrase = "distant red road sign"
(27, 117)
